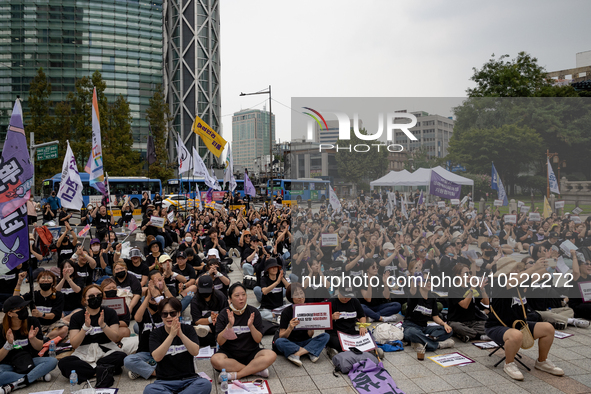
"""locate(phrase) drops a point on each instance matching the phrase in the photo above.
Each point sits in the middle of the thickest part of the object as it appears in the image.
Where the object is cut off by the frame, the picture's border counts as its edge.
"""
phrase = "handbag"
(22, 362)
(528, 339)
(249, 281)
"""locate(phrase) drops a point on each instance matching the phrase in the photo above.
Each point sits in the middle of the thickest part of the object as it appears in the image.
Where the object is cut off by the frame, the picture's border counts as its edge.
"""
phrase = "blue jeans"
(414, 333)
(161, 241)
(186, 301)
(138, 363)
(247, 269)
(387, 309)
(313, 345)
(258, 292)
(43, 366)
(197, 385)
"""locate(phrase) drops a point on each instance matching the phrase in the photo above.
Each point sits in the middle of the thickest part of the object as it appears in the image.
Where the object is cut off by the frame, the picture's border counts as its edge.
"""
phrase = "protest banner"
(451, 359)
(455, 201)
(117, 304)
(559, 204)
(576, 211)
(576, 219)
(157, 221)
(534, 217)
(441, 204)
(364, 343)
(329, 240)
(510, 218)
(498, 203)
(524, 209)
(585, 289)
(314, 316)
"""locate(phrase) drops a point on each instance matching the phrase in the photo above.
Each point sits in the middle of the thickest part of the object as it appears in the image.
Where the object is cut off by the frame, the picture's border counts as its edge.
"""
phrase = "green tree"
(360, 167)
(39, 121)
(117, 141)
(519, 77)
(512, 148)
(421, 159)
(158, 114)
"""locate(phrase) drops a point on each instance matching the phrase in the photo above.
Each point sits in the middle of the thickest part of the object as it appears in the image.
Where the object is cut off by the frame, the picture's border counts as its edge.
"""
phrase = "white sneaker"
(370, 320)
(46, 378)
(548, 366)
(313, 358)
(389, 319)
(295, 359)
(133, 375)
(581, 323)
(485, 338)
(514, 372)
(448, 343)
(416, 346)
(380, 352)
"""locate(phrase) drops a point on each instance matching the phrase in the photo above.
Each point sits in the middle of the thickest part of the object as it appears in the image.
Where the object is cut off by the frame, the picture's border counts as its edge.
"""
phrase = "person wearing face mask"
(47, 304)
(94, 333)
(109, 288)
(187, 242)
(205, 308)
(239, 334)
(489, 258)
(21, 340)
(148, 319)
(508, 241)
(65, 248)
(84, 266)
(70, 285)
(135, 265)
(465, 303)
(173, 347)
(127, 282)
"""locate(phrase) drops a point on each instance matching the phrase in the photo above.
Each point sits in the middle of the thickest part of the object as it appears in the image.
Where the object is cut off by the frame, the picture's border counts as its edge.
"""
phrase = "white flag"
(199, 168)
(552, 179)
(70, 191)
(391, 203)
(184, 157)
(229, 171)
(334, 200)
(212, 181)
(198, 196)
(403, 205)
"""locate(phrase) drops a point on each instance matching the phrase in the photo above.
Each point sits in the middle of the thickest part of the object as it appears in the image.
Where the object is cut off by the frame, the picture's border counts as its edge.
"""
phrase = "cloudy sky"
(385, 48)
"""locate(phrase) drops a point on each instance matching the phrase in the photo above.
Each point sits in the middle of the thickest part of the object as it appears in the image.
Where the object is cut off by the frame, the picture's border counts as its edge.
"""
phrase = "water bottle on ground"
(52, 349)
(224, 386)
(73, 381)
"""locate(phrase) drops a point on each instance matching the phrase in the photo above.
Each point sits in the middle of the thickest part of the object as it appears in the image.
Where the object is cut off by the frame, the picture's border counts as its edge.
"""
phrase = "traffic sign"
(47, 152)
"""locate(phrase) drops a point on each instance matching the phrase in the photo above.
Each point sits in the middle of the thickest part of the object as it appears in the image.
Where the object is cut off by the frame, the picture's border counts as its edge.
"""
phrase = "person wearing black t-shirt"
(65, 247)
(422, 307)
(8, 282)
(70, 285)
(109, 288)
(206, 305)
(127, 282)
(581, 275)
(146, 201)
(463, 306)
(155, 249)
(23, 338)
(135, 265)
(239, 334)
(94, 332)
(273, 285)
(294, 343)
(375, 300)
(507, 307)
(148, 319)
(221, 282)
(346, 312)
(102, 221)
(84, 265)
(525, 235)
(173, 347)
(126, 214)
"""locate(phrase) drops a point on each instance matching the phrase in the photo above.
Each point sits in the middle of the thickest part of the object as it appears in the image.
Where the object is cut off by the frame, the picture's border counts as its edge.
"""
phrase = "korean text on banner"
(70, 191)
(157, 221)
(14, 244)
(16, 171)
(364, 343)
(315, 316)
(441, 187)
(329, 240)
(213, 141)
(97, 176)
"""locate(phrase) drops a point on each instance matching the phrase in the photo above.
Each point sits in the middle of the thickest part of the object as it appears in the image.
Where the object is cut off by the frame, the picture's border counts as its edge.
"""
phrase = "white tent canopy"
(390, 179)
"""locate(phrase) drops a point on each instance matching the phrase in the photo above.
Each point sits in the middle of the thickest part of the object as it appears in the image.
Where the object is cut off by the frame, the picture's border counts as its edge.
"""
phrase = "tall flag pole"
(333, 199)
(497, 184)
(16, 180)
(552, 181)
(97, 177)
(70, 191)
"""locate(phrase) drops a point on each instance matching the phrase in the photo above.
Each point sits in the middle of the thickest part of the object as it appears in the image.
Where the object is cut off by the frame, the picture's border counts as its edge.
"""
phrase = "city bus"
(303, 189)
(173, 186)
(119, 186)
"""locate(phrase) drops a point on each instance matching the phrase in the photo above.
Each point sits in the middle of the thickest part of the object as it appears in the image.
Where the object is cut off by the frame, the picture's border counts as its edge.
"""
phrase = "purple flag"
(14, 240)
(421, 199)
(248, 186)
(443, 188)
(367, 377)
(209, 196)
(16, 171)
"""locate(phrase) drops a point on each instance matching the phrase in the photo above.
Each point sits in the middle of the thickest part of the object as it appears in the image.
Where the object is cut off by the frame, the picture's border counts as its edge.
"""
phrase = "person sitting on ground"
(507, 307)
(109, 288)
(376, 304)
(422, 307)
(148, 319)
(48, 305)
(70, 286)
(273, 285)
(315, 284)
(581, 273)
(94, 334)
(294, 343)
(173, 281)
(135, 264)
(21, 339)
(220, 281)
(465, 302)
(127, 283)
(205, 308)
(346, 312)
(239, 334)
(173, 347)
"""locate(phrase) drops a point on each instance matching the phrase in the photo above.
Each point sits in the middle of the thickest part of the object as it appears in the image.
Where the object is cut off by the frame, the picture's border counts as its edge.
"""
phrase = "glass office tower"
(71, 39)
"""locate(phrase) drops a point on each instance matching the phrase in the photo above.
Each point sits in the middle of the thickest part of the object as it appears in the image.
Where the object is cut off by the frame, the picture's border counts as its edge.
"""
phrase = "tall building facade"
(72, 39)
(250, 136)
(191, 68)
(432, 131)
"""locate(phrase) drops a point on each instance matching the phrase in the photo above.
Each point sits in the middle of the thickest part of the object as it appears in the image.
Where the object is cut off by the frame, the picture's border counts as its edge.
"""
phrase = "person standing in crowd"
(21, 339)
(239, 334)
(54, 203)
(31, 211)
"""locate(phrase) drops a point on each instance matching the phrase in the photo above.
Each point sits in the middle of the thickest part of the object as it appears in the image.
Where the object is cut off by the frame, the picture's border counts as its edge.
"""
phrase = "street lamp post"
(270, 173)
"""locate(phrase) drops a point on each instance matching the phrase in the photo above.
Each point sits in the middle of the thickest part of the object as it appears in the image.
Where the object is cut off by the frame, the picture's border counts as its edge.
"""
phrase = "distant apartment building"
(432, 132)
(250, 136)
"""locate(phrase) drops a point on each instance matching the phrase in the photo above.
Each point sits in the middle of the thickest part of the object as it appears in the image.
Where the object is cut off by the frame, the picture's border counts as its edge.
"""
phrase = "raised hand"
(250, 320)
(9, 336)
(33, 332)
(22, 277)
(175, 328)
(87, 319)
(293, 323)
(231, 318)
(101, 319)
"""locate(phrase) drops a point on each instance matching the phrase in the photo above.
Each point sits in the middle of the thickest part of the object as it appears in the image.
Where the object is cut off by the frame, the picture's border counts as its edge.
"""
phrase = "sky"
(382, 48)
